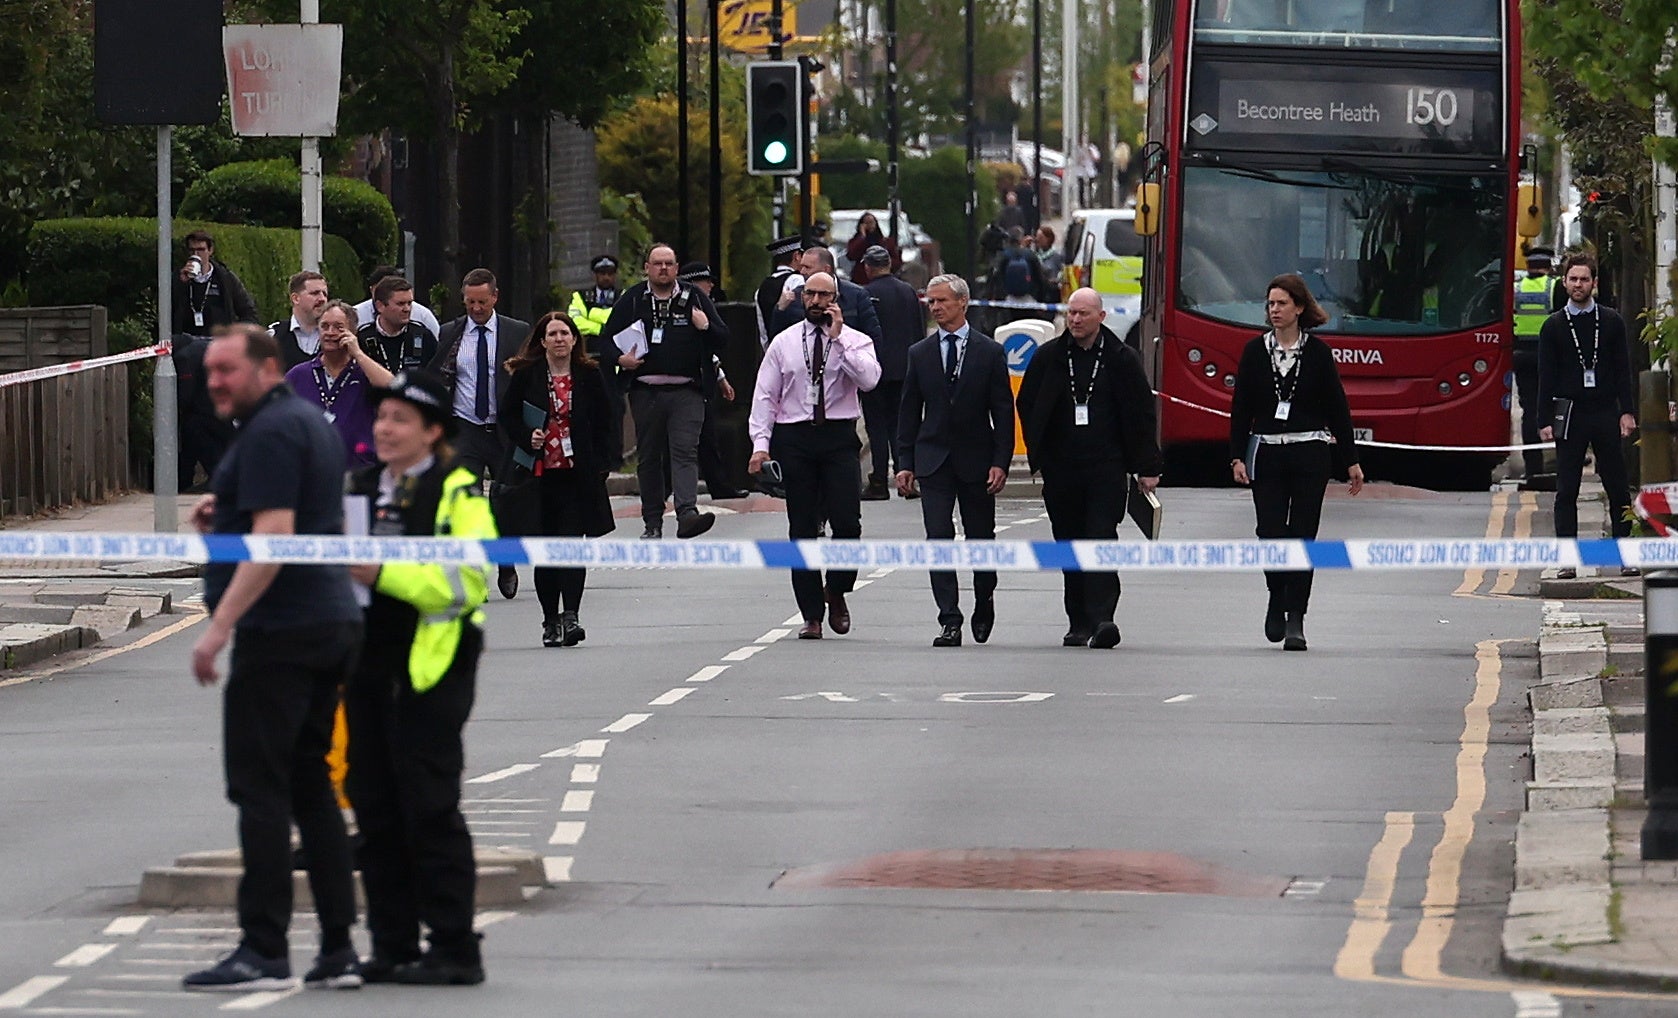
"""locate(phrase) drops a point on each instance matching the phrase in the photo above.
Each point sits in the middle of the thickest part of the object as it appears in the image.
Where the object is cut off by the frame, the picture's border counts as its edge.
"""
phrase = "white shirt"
(961, 346)
(466, 370)
(1574, 309)
(364, 313)
(308, 340)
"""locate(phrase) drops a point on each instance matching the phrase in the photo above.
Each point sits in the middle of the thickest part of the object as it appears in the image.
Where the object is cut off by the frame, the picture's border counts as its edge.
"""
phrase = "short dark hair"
(823, 255)
(199, 236)
(260, 344)
(301, 279)
(1311, 314)
(655, 245)
(379, 272)
(1578, 258)
(388, 287)
(479, 277)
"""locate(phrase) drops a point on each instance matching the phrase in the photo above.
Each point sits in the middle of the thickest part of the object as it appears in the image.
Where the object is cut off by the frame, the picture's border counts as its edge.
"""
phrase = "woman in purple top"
(340, 380)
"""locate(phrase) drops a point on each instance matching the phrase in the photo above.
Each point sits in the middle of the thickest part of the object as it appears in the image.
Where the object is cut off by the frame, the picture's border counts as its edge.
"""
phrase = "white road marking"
(1181, 698)
(483, 919)
(499, 823)
(591, 749)
(26, 992)
(84, 1010)
(502, 812)
(796, 620)
(879, 574)
(773, 636)
(743, 654)
(707, 673)
(828, 695)
(567, 832)
(557, 868)
(84, 956)
(252, 1001)
(1000, 527)
(998, 697)
(1305, 887)
(585, 774)
(126, 925)
(505, 772)
(576, 801)
(858, 585)
(625, 723)
(1535, 1004)
(669, 697)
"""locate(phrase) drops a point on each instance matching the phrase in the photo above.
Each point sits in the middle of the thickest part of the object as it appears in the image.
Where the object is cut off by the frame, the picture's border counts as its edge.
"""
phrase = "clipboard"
(535, 418)
(1144, 510)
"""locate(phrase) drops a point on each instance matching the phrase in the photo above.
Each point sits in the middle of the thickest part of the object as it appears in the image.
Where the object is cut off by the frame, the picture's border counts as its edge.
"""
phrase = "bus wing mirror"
(1529, 210)
(1147, 209)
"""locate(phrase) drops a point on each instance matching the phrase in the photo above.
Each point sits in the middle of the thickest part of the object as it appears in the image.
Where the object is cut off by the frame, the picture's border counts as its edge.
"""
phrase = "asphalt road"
(1357, 802)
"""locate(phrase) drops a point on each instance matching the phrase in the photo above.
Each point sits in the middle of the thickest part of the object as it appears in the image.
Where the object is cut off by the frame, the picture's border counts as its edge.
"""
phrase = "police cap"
(605, 263)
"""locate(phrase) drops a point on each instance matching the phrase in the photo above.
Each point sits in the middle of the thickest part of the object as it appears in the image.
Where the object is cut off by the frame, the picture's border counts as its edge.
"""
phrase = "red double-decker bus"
(1372, 146)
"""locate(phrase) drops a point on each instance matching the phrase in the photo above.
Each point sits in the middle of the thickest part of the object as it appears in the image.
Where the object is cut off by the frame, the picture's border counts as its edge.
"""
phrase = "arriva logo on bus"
(1346, 355)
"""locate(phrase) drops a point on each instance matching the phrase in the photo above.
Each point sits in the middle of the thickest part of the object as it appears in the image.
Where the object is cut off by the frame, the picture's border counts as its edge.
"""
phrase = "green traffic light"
(775, 152)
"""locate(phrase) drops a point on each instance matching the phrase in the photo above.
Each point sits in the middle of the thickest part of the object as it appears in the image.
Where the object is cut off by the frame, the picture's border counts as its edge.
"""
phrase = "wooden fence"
(62, 440)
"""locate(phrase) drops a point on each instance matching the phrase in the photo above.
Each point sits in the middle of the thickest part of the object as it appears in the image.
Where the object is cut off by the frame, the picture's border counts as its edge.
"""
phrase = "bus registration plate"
(1363, 434)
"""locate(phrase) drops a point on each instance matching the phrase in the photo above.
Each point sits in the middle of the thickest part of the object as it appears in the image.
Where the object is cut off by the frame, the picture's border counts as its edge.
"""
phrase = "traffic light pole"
(716, 145)
(893, 202)
(806, 201)
(682, 130)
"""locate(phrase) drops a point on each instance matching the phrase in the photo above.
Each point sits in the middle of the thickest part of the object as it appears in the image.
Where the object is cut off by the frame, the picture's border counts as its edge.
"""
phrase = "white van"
(1102, 251)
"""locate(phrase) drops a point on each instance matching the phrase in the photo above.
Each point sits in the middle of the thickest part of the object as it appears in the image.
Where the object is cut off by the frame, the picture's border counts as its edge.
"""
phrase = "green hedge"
(934, 192)
(269, 193)
(114, 262)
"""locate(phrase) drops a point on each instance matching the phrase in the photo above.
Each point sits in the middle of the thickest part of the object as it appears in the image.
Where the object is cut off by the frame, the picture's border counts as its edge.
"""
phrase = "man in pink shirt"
(804, 414)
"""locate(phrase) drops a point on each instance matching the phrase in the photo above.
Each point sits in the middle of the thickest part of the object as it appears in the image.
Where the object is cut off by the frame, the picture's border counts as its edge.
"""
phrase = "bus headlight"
(1481, 367)
(1444, 388)
(1195, 355)
(1210, 369)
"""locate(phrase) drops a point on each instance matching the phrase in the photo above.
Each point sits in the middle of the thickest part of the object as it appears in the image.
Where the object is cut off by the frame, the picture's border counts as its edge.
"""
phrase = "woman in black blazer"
(555, 379)
(1288, 403)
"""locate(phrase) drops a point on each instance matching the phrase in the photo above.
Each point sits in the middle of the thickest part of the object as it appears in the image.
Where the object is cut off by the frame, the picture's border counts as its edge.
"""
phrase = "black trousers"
(1085, 501)
(563, 495)
(1289, 482)
(282, 692)
(1526, 390)
(406, 760)
(823, 474)
(1598, 429)
(480, 449)
(203, 440)
(941, 494)
(879, 419)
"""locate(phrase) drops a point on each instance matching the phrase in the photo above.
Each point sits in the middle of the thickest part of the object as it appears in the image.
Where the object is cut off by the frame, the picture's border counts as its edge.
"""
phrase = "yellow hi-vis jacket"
(447, 596)
(590, 320)
(1532, 305)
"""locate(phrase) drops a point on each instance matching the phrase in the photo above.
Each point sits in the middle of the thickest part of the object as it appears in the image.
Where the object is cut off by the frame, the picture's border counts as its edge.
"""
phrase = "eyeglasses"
(818, 293)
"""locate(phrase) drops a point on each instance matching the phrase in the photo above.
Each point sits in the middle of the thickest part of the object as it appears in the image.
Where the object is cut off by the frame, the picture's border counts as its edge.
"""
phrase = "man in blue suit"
(955, 438)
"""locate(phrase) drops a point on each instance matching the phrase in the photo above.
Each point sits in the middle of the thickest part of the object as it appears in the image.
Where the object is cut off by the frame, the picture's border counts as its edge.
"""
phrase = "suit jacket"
(971, 428)
(902, 324)
(855, 304)
(510, 334)
(1046, 387)
(593, 432)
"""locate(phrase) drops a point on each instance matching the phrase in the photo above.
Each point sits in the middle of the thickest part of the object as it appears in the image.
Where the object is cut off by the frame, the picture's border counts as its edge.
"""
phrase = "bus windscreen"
(1459, 25)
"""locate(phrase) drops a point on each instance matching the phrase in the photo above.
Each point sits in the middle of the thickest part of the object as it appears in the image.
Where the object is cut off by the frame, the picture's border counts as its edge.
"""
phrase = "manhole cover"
(1035, 869)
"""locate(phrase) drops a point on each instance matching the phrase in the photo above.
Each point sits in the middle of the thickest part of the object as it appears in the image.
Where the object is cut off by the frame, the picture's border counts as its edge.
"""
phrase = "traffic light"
(776, 117)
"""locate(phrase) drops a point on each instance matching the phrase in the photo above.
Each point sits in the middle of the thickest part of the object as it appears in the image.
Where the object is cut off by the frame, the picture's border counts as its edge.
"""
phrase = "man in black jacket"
(902, 323)
(956, 439)
(207, 293)
(1089, 419)
(1585, 393)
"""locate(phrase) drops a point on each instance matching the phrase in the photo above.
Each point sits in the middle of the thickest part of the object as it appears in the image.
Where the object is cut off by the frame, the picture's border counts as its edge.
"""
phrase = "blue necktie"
(481, 408)
(950, 359)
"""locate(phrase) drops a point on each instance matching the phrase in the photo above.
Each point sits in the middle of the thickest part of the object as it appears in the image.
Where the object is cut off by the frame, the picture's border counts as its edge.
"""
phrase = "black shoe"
(434, 971)
(1275, 620)
(243, 971)
(694, 524)
(876, 491)
(950, 637)
(1295, 638)
(652, 532)
(1567, 573)
(1105, 637)
(508, 581)
(571, 630)
(726, 493)
(380, 969)
(340, 970)
(1075, 638)
(550, 633)
(984, 619)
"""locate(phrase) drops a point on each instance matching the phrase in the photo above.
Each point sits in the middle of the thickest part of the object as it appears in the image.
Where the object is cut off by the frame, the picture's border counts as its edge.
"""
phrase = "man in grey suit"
(470, 352)
(955, 438)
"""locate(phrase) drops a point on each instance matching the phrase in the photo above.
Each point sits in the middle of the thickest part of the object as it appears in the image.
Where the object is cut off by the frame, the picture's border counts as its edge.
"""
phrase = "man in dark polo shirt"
(296, 632)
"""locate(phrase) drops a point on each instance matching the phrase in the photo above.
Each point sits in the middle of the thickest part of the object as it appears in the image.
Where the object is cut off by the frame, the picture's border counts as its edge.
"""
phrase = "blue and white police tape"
(1249, 555)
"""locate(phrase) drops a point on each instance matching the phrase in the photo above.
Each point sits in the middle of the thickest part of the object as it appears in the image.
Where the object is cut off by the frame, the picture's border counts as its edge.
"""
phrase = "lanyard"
(1596, 337)
(561, 408)
(961, 354)
(1072, 377)
(816, 368)
(331, 389)
(1291, 379)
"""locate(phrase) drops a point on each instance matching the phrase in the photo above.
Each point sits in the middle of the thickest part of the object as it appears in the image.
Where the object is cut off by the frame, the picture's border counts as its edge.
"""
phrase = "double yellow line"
(1504, 582)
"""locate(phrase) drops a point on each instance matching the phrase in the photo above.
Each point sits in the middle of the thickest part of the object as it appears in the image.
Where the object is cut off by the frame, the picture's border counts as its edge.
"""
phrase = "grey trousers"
(667, 418)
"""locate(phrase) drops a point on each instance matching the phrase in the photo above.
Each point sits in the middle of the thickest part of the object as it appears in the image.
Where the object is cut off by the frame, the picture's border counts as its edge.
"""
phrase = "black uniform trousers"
(563, 495)
(879, 419)
(1289, 482)
(1526, 389)
(823, 475)
(405, 762)
(281, 695)
(1598, 429)
(1085, 501)
(480, 448)
(941, 494)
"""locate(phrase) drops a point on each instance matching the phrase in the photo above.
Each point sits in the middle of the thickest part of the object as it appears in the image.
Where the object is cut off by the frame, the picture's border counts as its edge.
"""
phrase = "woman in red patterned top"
(557, 416)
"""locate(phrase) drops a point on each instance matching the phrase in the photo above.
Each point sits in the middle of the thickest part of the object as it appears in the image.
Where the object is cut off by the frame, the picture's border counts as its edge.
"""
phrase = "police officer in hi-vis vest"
(1532, 306)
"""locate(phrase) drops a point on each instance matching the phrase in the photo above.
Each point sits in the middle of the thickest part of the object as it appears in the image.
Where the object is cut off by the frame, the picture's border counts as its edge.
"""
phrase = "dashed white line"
(126, 925)
(879, 574)
(26, 992)
(625, 723)
(1535, 1004)
(743, 654)
(567, 832)
(707, 673)
(576, 801)
(1000, 527)
(1181, 698)
(490, 918)
(591, 749)
(84, 956)
(252, 1001)
(557, 868)
(585, 774)
(669, 697)
(505, 772)
(796, 620)
(773, 636)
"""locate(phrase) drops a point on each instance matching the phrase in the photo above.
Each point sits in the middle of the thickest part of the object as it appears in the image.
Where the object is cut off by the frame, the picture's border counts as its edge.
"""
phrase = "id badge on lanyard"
(565, 446)
(1590, 378)
(1283, 409)
(1081, 415)
(658, 335)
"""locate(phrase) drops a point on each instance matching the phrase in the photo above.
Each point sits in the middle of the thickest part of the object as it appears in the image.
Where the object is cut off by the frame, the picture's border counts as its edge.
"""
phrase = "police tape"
(1013, 305)
(1371, 443)
(71, 367)
(1247, 555)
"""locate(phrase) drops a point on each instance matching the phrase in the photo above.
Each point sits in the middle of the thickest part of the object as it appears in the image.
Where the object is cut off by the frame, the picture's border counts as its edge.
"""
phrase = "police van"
(1102, 251)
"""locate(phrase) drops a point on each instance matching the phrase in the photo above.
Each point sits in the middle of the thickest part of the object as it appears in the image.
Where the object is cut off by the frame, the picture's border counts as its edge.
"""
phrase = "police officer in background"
(592, 306)
(902, 324)
(784, 251)
(1532, 307)
(1586, 396)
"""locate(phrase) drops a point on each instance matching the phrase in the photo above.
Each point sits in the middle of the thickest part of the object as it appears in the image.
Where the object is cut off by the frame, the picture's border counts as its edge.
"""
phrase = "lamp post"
(716, 145)
(682, 128)
(972, 147)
